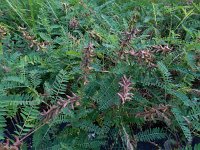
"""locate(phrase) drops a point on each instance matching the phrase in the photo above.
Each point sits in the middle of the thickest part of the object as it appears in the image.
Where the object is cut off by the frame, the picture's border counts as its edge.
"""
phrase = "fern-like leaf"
(151, 135)
(182, 123)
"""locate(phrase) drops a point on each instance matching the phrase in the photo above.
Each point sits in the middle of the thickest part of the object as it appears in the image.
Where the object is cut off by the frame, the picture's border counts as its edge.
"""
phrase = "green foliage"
(99, 74)
(59, 85)
(183, 124)
(151, 135)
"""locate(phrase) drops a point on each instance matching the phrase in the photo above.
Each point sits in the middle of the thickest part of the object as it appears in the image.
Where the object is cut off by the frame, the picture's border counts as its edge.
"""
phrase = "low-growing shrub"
(81, 74)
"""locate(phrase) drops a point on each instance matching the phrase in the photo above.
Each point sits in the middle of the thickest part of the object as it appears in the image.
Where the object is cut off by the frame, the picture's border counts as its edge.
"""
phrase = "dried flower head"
(73, 23)
(161, 112)
(3, 32)
(126, 39)
(32, 40)
(145, 93)
(86, 60)
(61, 103)
(65, 6)
(128, 36)
(8, 146)
(95, 35)
(163, 49)
(125, 94)
(50, 113)
(143, 56)
(70, 100)
(147, 55)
